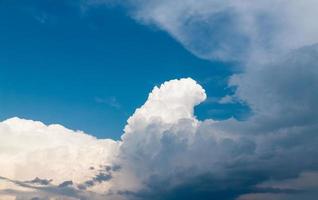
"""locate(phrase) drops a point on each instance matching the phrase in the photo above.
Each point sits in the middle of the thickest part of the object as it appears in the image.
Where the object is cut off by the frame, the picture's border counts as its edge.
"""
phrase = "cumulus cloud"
(165, 153)
(276, 44)
(32, 151)
(188, 158)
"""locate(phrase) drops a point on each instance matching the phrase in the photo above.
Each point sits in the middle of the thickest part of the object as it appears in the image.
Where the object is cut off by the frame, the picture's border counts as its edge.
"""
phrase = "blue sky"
(90, 69)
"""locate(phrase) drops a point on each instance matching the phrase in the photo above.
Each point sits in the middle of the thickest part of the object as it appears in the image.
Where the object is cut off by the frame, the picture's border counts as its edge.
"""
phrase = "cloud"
(30, 149)
(276, 44)
(306, 183)
(111, 102)
(164, 153)
(231, 29)
(26, 190)
(174, 100)
(183, 157)
(282, 91)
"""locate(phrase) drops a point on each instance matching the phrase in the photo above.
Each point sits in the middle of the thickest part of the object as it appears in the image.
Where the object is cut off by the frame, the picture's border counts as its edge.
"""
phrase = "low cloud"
(50, 154)
(164, 153)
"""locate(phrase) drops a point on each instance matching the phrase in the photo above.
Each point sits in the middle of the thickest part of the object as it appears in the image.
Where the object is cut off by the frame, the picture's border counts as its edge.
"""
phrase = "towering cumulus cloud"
(165, 152)
(164, 125)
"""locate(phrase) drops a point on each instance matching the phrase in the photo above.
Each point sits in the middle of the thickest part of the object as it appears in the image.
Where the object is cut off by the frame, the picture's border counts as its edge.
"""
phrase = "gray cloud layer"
(231, 29)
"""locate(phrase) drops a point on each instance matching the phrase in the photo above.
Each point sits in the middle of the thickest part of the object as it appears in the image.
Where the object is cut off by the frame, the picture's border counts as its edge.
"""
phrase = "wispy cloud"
(110, 101)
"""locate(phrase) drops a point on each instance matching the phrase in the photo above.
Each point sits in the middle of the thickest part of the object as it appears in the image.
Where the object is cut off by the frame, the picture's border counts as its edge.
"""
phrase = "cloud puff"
(174, 100)
(30, 149)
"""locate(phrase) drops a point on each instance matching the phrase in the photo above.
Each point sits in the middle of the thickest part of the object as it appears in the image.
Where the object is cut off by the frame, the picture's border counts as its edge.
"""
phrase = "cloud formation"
(230, 29)
(165, 153)
(33, 152)
(275, 43)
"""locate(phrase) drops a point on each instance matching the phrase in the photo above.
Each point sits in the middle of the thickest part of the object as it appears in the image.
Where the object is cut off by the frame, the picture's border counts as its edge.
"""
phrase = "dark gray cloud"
(103, 175)
(45, 192)
(227, 159)
(40, 181)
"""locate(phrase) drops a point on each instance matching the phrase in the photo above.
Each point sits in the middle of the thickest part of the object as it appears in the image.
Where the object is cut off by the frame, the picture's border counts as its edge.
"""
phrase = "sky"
(158, 99)
(62, 64)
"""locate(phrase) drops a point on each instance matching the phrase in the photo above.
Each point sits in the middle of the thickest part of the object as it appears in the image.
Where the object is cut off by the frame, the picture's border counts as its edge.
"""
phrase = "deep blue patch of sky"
(90, 69)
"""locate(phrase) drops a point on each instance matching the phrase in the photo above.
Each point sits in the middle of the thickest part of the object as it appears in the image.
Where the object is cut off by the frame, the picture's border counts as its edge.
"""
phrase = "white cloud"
(30, 149)
(168, 143)
(163, 130)
(163, 147)
(174, 100)
(160, 153)
(231, 29)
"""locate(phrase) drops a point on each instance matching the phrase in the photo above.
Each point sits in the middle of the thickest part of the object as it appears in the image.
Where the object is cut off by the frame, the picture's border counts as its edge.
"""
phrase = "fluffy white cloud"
(54, 154)
(164, 147)
(168, 112)
(30, 149)
(174, 100)
(163, 141)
